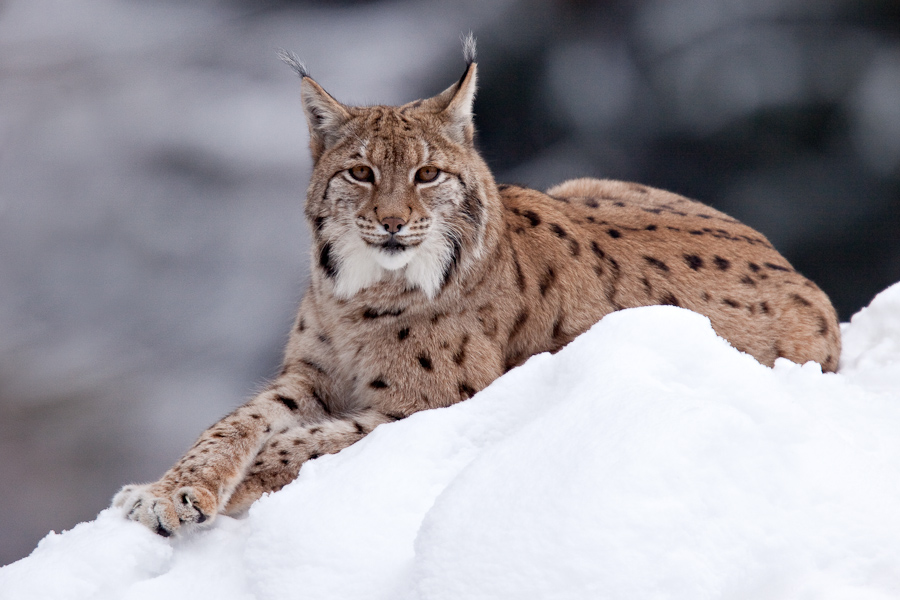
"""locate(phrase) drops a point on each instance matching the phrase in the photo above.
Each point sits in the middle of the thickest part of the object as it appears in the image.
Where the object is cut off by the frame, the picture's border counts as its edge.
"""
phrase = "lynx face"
(403, 194)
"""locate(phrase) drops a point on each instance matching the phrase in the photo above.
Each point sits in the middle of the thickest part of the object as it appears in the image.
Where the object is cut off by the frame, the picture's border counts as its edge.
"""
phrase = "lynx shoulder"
(429, 280)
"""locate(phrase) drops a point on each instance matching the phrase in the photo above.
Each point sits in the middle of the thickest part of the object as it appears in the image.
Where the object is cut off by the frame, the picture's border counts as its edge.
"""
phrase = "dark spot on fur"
(753, 267)
(313, 366)
(657, 264)
(378, 384)
(460, 355)
(453, 262)
(574, 247)
(289, 402)
(324, 339)
(359, 428)
(695, 232)
(800, 300)
(619, 203)
(393, 416)
(823, 326)
(590, 202)
(705, 296)
(598, 270)
(559, 231)
(403, 334)
(597, 250)
(326, 262)
(301, 326)
(647, 287)
(747, 280)
(614, 233)
(425, 362)
(512, 362)
(650, 227)
(669, 299)
(532, 217)
(487, 320)
(503, 187)
(466, 390)
(731, 303)
(721, 263)
(518, 324)
(547, 280)
(764, 307)
(693, 261)
(776, 267)
(320, 402)
(557, 327)
(520, 277)
(283, 453)
(373, 313)
(654, 211)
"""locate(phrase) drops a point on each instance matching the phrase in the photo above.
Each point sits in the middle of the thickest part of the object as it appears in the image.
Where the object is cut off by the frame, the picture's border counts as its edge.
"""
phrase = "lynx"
(429, 281)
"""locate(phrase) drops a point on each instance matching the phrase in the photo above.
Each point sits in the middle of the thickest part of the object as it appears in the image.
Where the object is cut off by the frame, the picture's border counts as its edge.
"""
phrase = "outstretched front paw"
(164, 510)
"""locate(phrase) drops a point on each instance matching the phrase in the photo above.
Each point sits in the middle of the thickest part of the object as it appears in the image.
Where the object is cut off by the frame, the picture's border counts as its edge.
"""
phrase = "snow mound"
(872, 342)
(647, 459)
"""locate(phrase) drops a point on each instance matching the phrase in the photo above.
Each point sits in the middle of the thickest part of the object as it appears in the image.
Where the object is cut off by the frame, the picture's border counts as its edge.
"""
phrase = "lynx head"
(398, 194)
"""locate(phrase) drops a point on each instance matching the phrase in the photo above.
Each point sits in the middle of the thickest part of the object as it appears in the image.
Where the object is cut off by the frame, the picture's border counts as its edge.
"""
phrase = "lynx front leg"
(280, 459)
(197, 488)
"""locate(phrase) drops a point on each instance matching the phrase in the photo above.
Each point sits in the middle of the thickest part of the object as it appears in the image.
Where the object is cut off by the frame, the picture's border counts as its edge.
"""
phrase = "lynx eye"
(362, 173)
(427, 174)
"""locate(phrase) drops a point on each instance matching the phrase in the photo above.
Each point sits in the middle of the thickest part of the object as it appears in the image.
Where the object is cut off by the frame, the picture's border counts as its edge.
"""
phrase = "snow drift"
(647, 459)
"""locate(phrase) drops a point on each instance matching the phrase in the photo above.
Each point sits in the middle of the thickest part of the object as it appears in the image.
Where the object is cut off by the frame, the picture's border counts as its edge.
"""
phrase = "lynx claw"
(165, 513)
(194, 505)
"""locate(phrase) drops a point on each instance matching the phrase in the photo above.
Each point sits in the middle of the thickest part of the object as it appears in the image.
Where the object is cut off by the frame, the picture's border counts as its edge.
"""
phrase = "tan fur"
(488, 276)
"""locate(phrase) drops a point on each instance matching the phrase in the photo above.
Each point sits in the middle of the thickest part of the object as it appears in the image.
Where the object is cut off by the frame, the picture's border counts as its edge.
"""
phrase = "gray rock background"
(153, 164)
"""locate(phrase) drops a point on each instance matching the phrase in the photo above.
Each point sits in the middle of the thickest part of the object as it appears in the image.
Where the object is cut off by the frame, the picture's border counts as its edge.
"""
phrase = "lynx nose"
(392, 224)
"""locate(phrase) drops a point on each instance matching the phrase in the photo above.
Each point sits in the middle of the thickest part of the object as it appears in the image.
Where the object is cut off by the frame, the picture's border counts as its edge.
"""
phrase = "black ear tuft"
(468, 42)
(294, 62)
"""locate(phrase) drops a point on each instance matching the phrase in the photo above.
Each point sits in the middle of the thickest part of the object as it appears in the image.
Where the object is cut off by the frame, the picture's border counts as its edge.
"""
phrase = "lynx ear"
(324, 115)
(455, 106)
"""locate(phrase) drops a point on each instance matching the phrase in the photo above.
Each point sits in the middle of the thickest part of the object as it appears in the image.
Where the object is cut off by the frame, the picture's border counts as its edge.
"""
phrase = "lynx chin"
(429, 280)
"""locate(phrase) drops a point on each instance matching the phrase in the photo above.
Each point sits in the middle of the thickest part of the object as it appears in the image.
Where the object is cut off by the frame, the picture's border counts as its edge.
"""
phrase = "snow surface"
(647, 459)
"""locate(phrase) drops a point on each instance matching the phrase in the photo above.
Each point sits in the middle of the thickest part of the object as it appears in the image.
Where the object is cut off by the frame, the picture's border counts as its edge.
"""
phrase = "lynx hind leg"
(583, 187)
(279, 461)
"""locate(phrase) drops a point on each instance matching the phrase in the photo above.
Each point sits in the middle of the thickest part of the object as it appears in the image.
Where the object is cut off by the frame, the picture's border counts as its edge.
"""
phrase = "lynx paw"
(165, 511)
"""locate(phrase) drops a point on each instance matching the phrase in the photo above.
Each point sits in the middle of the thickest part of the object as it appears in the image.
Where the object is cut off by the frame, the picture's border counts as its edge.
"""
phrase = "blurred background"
(153, 165)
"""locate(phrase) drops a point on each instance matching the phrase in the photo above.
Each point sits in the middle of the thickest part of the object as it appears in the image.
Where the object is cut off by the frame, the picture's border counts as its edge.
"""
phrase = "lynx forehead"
(429, 280)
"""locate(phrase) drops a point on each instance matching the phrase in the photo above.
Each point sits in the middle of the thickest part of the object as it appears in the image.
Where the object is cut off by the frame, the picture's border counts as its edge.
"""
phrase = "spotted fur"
(424, 290)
